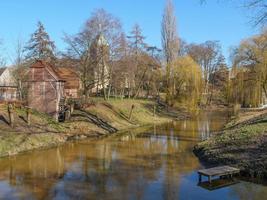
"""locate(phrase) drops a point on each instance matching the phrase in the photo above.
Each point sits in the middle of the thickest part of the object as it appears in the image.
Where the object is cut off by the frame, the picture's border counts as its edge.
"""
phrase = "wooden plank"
(219, 171)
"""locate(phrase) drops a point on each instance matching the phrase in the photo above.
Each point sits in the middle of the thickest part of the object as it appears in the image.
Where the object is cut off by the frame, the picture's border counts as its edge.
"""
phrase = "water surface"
(155, 163)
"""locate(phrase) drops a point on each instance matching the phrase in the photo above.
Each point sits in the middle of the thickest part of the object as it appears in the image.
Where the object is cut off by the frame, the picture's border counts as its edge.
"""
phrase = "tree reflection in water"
(156, 163)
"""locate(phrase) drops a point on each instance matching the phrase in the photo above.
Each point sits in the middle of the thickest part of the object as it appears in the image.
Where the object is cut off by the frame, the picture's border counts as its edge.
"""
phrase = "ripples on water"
(154, 163)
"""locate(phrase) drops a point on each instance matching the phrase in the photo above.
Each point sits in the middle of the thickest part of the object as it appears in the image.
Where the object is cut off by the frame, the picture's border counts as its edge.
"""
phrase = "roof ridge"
(51, 69)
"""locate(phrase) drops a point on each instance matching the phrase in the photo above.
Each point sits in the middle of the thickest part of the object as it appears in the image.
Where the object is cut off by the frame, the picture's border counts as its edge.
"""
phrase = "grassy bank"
(117, 112)
(242, 144)
(44, 132)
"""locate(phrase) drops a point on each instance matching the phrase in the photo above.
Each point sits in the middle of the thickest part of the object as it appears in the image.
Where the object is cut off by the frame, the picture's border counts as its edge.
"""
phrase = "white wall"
(6, 79)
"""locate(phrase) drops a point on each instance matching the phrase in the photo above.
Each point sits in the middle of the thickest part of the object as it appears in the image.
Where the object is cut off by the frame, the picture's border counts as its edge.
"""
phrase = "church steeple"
(101, 40)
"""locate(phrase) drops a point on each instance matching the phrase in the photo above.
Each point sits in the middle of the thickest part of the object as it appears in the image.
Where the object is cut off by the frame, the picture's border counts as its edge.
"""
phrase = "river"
(152, 163)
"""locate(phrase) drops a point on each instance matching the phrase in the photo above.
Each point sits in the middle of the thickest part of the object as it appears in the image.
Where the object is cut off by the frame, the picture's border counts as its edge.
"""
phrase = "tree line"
(123, 65)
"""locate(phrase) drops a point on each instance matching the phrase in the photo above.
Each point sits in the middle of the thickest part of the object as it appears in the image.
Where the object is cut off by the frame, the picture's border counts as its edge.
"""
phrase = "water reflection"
(157, 163)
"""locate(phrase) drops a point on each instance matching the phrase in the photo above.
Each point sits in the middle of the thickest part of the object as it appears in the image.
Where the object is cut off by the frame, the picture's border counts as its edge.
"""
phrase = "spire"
(100, 28)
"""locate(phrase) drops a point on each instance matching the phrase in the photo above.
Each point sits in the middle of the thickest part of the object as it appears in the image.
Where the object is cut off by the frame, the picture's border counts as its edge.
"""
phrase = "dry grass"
(116, 112)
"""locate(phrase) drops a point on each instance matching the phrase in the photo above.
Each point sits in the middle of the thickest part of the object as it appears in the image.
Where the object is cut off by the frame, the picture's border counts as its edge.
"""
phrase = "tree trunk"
(140, 83)
(109, 90)
(28, 116)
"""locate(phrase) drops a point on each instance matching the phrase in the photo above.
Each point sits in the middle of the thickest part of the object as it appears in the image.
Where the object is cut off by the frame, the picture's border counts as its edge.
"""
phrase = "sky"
(197, 23)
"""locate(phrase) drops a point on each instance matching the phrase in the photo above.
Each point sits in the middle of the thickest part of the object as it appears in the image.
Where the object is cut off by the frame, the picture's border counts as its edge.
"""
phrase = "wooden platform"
(218, 171)
(218, 184)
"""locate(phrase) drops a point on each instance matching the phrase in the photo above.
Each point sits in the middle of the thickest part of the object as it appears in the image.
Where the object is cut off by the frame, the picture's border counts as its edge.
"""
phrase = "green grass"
(42, 119)
(13, 143)
(44, 131)
(117, 111)
(244, 147)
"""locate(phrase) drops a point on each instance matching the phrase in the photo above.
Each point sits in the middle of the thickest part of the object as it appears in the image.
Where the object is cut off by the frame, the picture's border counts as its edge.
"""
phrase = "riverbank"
(243, 144)
(99, 119)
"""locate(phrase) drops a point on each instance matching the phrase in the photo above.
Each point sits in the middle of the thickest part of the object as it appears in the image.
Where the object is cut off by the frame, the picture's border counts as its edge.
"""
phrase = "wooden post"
(131, 113)
(199, 178)
(209, 179)
(67, 115)
(28, 115)
(71, 108)
(10, 115)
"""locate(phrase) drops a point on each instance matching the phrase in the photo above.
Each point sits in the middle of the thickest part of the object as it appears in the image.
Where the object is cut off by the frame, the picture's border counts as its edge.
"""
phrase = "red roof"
(71, 78)
(66, 74)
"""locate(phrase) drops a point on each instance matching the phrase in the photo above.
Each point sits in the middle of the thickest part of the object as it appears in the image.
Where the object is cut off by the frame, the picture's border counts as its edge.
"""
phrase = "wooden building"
(50, 86)
(8, 87)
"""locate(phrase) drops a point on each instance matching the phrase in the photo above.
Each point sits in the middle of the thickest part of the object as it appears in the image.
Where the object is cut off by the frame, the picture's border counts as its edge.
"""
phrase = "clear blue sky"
(196, 23)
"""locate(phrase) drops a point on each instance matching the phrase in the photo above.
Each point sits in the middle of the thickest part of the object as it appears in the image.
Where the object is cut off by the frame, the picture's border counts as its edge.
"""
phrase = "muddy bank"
(241, 145)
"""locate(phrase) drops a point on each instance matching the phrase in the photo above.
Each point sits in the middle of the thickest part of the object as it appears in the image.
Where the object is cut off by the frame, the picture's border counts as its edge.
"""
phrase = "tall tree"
(170, 44)
(136, 39)
(137, 48)
(252, 54)
(206, 55)
(188, 82)
(40, 46)
(80, 45)
(19, 69)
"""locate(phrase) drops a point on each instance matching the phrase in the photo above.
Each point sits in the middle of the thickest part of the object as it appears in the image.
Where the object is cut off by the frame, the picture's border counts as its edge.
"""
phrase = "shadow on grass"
(3, 119)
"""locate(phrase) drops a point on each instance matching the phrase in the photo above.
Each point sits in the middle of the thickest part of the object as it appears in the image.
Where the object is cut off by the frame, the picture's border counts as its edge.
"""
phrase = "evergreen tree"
(136, 38)
(40, 46)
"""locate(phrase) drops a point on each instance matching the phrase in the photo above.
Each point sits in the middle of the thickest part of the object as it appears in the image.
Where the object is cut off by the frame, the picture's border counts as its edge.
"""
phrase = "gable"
(42, 71)
(6, 78)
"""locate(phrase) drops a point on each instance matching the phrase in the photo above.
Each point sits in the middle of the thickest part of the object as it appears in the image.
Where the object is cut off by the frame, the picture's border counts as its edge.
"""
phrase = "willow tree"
(251, 55)
(187, 81)
(170, 45)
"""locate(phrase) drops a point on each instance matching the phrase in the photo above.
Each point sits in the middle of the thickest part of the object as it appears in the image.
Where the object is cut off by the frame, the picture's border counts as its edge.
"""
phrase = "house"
(8, 86)
(50, 86)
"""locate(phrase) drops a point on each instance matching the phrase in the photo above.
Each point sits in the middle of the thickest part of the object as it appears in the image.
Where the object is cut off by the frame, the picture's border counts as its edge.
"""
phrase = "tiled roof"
(2, 69)
(70, 77)
(51, 69)
(66, 74)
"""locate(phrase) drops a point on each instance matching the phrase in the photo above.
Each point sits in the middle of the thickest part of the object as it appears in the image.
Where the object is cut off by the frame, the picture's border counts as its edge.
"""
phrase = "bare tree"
(137, 48)
(257, 8)
(20, 66)
(206, 55)
(79, 50)
(170, 44)
(81, 47)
